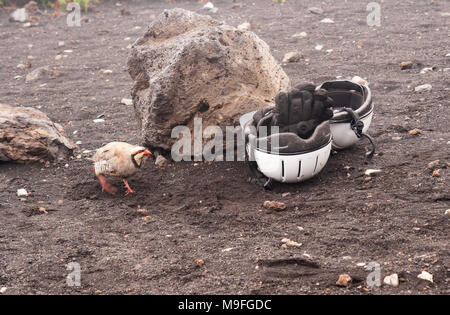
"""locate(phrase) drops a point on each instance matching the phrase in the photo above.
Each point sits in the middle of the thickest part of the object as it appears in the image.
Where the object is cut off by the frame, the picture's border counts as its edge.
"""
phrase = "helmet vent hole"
(315, 166)
(282, 169)
(299, 168)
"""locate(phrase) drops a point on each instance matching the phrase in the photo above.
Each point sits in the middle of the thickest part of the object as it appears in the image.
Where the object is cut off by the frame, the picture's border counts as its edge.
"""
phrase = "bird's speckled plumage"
(115, 159)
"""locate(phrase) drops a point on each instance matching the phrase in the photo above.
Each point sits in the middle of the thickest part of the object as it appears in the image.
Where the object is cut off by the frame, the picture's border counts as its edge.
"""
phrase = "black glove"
(301, 110)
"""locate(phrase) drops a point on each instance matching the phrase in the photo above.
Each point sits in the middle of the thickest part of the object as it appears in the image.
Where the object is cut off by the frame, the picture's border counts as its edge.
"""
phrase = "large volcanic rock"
(27, 134)
(188, 65)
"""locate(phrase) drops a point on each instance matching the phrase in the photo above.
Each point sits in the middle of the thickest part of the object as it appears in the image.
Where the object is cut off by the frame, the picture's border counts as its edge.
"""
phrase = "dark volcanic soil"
(210, 211)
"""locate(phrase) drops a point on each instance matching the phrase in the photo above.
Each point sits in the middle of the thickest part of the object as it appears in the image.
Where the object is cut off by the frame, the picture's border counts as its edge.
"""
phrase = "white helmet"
(306, 129)
(296, 143)
(353, 112)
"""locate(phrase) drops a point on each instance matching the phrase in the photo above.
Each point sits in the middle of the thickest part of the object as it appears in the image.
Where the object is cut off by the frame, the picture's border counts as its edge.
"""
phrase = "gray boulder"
(27, 134)
(188, 65)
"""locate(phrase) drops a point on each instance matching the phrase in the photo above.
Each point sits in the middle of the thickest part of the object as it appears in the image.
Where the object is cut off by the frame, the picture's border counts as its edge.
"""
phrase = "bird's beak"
(147, 152)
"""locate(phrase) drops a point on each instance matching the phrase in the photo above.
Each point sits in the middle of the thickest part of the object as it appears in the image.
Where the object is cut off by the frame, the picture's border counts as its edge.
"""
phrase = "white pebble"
(370, 172)
(447, 212)
(22, 192)
(126, 101)
(3, 290)
(360, 80)
(425, 70)
(423, 88)
(426, 276)
(318, 47)
(391, 280)
(244, 26)
(302, 35)
(208, 5)
(327, 21)
(361, 264)
(99, 120)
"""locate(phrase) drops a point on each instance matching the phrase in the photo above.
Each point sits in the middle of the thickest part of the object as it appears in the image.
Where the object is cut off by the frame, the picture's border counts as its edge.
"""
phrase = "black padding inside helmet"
(347, 94)
(342, 99)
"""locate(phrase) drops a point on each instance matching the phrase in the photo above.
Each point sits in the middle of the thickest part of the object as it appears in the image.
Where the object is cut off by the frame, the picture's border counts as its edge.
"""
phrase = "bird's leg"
(111, 189)
(129, 190)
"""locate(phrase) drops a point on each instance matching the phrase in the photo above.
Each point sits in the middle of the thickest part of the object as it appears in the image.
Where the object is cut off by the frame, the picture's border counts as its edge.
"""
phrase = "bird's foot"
(109, 188)
(129, 190)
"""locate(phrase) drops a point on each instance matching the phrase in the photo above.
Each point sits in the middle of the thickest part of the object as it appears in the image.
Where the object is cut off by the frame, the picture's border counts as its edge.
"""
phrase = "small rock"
(60, 202)
(318, 47)
(301, 34)
(423, 88)
(344, 280)
(371, 172)
(161, 161)
(210, 7)
(124, 12)
(227, 249)
(22, 192)
(286, 194)
(26, 64)
(359, 80)
(199, 262)
(433, 164)
(391, 280)
(41, 72)
(98, 120)
(68, 51)
(426, 276)
(274, 205)
(105, 71)
(126, 101)
(361, 264)
(19, 15)
(396, 138)
(315, 10)
(61, 43)
(445, 14)
(447, 212)
(293, 56)
(244, 26)
(428, 69)
(288, 242)
(43, 210)
(447, 55)
(3, 290)
(327, 21)
(415, 132)
(437, 173)
(58, 57)
(406, 65)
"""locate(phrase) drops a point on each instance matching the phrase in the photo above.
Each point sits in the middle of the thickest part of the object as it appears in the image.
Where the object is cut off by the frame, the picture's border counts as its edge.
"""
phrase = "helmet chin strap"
(357, 126)
(258, 177)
